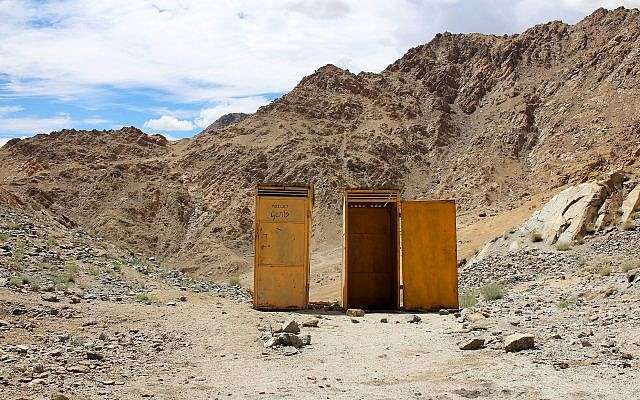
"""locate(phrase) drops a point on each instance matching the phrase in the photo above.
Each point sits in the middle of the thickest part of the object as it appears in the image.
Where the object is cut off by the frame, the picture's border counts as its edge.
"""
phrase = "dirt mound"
(495, 122)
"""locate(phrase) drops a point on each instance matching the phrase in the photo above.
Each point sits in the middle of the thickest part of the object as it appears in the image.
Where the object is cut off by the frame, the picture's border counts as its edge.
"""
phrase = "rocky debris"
(51, 259)
(355, 312)
(311, 323)
(384, 320)
(49, 297)
(524, 265)
(518, 342)
(413, 319)
(286, 337)
(290, 326)
(471, 344)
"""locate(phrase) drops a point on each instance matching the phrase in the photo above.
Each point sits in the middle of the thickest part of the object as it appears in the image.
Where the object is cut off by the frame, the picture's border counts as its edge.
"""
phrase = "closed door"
(281, 252)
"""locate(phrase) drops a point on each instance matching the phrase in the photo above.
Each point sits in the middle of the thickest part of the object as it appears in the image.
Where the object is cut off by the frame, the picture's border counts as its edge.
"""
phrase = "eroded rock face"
(630, 205)
(577, 210)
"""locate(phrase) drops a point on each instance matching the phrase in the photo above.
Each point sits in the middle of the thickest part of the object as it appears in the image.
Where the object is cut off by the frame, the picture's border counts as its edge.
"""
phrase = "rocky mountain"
(496, 122)
(225, 121)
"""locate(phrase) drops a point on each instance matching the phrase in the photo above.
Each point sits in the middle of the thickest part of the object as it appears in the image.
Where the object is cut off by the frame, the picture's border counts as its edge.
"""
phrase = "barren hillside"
(499, 123)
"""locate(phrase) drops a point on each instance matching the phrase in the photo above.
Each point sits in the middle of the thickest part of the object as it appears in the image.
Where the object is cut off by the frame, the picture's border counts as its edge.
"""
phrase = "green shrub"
(581, 260)
(145, 298)
(51, 241)
(67, 276)
(117, 266)
(18, 280)
(18, 255)
(604, 269)
(492, 291)
(22, 280)
(4, 237)
(562, 246)
(467, 299)
(234, 281)
(567, 303)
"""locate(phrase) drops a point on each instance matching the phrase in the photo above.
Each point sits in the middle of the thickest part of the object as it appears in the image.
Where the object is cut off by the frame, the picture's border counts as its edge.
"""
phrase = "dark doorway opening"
(372, 259)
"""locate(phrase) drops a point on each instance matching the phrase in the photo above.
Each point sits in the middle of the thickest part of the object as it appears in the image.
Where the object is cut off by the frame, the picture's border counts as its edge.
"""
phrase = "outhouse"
(398, 253)
(281, 257)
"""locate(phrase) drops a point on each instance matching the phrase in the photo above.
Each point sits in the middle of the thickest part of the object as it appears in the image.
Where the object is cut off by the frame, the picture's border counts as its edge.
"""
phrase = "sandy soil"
(223, 358)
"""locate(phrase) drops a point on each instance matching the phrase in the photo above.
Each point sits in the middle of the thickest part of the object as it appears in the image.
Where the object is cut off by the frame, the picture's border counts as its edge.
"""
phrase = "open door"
(429, 261)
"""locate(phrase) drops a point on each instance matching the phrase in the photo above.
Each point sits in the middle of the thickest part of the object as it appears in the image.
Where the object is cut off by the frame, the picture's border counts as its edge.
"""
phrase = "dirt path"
(217, 355)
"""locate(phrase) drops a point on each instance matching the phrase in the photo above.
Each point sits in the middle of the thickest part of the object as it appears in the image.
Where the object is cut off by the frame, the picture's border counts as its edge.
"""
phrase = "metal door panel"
(282, 251)
(429, 260)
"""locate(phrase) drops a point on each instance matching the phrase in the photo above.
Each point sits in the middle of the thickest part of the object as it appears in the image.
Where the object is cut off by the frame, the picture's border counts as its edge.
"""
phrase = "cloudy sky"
(174, 66)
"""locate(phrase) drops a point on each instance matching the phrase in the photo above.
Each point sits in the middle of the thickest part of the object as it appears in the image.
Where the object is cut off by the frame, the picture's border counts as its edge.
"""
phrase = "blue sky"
(174, 66)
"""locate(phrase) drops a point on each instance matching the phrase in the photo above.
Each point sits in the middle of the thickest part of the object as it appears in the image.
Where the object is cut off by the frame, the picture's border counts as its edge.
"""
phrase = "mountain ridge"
(495, 122)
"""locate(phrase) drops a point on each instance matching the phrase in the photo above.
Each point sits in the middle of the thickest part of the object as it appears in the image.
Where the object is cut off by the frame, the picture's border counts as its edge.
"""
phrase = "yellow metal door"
(281, 252)
(429, 261)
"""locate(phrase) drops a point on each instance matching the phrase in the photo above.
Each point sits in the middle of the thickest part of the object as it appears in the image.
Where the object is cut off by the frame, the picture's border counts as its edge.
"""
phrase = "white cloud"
(10, 109)
(233, 105)
(168, 123)
(34, 125)
(95, 121)
(203, 50)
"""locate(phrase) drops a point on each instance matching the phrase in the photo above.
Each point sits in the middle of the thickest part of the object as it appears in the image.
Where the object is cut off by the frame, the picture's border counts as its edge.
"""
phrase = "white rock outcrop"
(575, 211)
(630, 205)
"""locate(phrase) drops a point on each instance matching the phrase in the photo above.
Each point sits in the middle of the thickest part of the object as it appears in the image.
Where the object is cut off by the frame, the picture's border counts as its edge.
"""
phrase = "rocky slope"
(492, 121)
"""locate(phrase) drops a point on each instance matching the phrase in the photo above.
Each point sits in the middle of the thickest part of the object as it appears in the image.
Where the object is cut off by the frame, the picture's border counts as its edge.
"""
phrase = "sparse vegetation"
(51, 241)
(22, 280)
(581, 260)
(145, 298)
(234, 281)
(567, 303)
(535, 236)
(467, 299)
(562, 246)
(604, 268)
(18, 281)
(4, 237)
(628, 265)
(18, 256)
(67, 276)
(492, 291)
(117, 266)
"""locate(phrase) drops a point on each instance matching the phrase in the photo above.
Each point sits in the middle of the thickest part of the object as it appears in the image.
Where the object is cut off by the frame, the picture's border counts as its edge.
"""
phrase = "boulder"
(50, 297)
(518, 342)
(355, 312)
(471, 344)
(290, 339)
(413, 319)
(630, 205)
(575, 211)
(290, 326)
(312, 323)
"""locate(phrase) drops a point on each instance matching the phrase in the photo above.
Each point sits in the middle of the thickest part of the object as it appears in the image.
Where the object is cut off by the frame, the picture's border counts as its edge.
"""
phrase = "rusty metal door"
(429, 260)
(281, 270)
